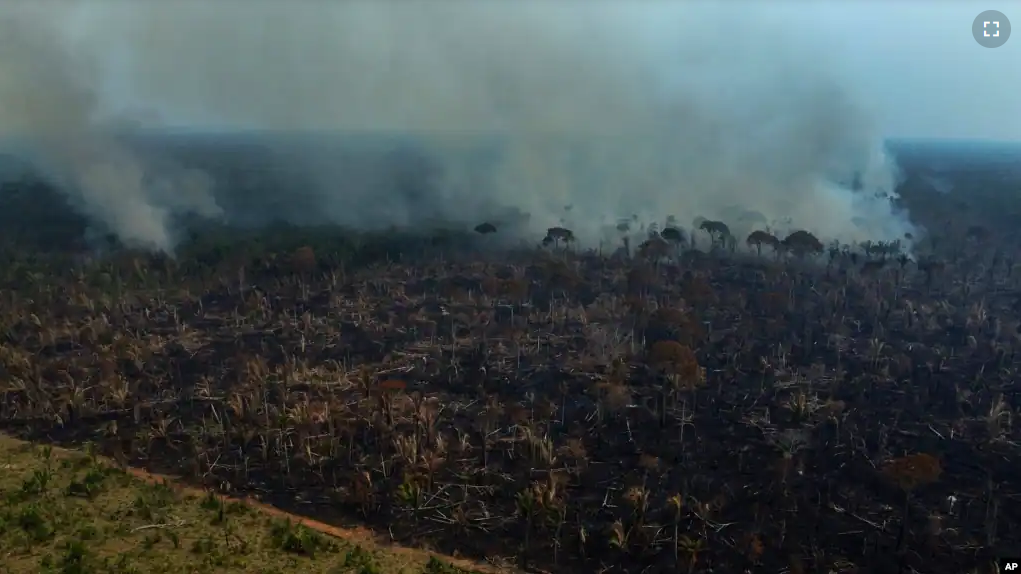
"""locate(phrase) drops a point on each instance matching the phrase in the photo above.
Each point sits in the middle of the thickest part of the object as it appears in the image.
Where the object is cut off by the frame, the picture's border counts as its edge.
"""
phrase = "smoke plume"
(51, 111)
(577, 116)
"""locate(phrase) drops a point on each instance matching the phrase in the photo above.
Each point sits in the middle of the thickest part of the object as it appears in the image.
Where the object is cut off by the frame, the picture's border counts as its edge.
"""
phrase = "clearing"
(75, 512)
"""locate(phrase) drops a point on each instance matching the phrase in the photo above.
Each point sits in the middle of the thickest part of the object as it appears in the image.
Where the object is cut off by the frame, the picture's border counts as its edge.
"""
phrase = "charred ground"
(669, 408)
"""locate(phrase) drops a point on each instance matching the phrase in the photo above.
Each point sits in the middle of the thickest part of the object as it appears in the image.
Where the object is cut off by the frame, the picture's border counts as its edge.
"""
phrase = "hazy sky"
(912, 63)
(755, 111)
(921, 69)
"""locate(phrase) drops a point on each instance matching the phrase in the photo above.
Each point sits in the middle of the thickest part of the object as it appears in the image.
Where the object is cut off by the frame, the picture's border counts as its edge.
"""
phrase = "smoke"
(50, 111)
(615, 110)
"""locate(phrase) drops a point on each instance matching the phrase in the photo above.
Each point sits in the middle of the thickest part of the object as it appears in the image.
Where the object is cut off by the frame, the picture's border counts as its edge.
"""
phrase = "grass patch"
(74, 513)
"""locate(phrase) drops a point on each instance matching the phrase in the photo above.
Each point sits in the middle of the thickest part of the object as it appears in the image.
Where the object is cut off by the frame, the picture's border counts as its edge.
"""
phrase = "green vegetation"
(75, 513)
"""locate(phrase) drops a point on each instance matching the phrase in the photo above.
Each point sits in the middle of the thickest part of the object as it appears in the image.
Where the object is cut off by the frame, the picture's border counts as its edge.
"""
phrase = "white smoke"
(50, 105)
(615, 109)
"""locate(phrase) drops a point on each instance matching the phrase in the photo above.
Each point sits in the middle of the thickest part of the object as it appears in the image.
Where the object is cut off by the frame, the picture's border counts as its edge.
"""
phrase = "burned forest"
(681, 401)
